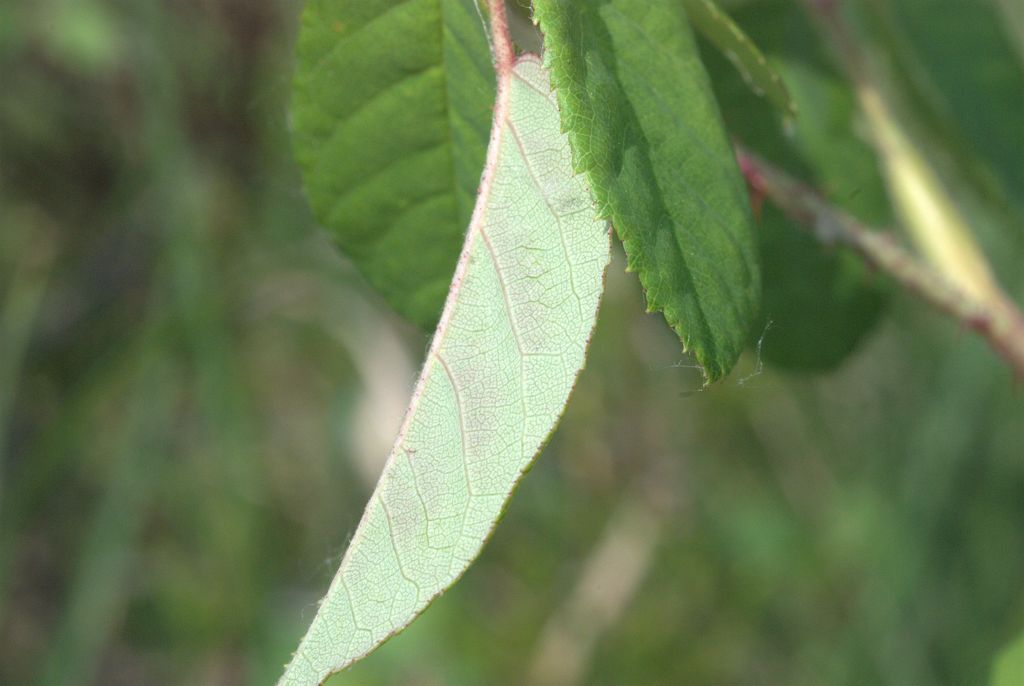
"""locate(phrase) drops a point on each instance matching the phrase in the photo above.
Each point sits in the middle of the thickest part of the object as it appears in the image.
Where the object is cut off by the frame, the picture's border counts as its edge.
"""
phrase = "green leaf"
(1009, 666)
(390, 114)
(821, 302)
(504, 359)
(722, 32)
(645, 129)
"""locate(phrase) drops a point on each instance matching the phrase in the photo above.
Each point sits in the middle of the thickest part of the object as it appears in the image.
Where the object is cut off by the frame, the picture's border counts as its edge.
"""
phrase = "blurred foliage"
(1009, 666)
(188, 374)
(950, 71)
(822, 145)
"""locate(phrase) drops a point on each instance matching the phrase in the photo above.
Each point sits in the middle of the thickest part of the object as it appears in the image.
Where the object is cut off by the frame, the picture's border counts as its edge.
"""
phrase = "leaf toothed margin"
(645, 129)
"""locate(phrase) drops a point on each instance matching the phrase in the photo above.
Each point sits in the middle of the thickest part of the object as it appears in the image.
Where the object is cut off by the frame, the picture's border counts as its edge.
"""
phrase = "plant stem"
(609, 579)
(501, 38)
(994, 317)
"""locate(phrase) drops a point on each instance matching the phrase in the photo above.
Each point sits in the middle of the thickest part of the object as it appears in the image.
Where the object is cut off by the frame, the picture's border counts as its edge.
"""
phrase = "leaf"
(390, 117)
(645, 129)
(821, 302)
(504, 359)
(722, 32)
(1009, 666)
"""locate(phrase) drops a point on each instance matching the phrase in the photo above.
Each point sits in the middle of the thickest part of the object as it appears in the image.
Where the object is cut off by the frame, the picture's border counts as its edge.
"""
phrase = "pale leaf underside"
(504, 359)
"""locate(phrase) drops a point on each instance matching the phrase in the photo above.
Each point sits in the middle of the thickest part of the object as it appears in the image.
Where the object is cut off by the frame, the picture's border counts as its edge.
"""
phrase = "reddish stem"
(999, 321)
(501, 39)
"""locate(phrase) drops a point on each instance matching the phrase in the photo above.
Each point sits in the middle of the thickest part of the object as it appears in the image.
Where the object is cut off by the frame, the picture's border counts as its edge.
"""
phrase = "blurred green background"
(197, 393)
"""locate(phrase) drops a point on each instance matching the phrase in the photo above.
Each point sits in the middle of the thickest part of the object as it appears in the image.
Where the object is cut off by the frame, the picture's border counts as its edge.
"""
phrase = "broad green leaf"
(821, 302)
(390, 114)
(722, 32)
(505, 356)
(1009, 666)
(645, 130)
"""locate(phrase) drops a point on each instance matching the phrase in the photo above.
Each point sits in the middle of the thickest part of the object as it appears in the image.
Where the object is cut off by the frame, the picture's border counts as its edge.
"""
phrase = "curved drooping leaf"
(645, 129)
(722, 32)
(821, 302)
(390, 115)
(505, 356)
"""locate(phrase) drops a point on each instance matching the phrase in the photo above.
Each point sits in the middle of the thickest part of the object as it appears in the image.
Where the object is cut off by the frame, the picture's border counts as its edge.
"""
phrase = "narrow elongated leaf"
(505, 356)
(722, 32)
(390, 117)
(645, 129)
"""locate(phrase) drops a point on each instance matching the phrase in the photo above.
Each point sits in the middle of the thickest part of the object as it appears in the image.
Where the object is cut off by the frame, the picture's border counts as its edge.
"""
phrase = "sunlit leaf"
(956, 63)
(505, 357)
(1009, 666)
